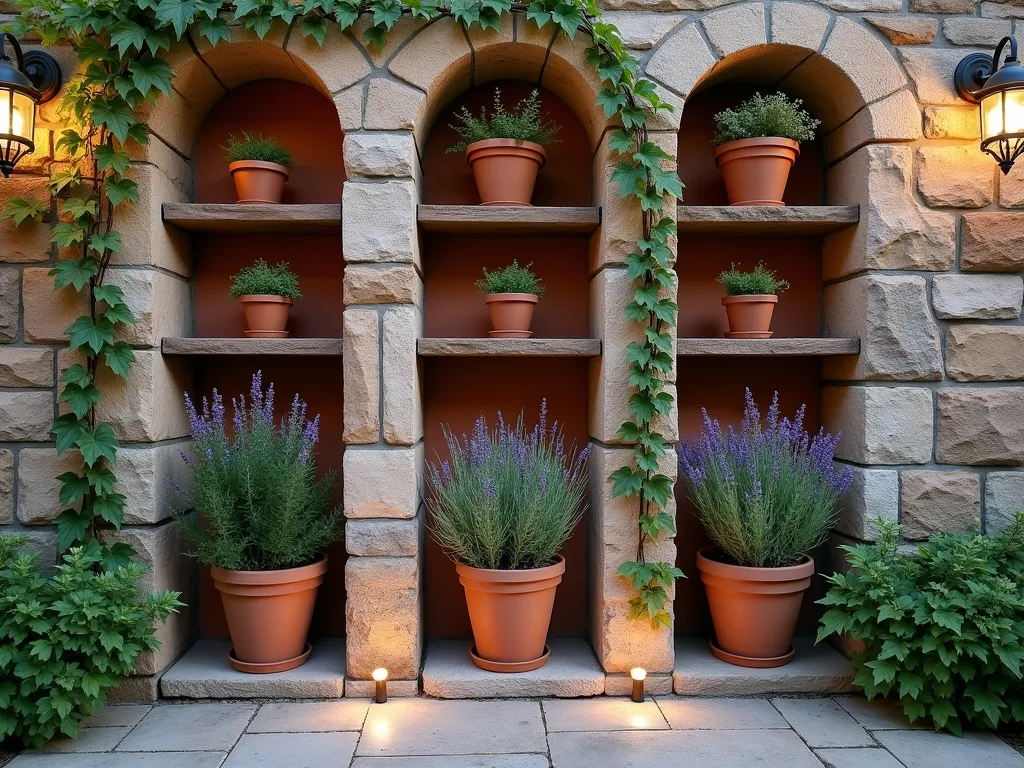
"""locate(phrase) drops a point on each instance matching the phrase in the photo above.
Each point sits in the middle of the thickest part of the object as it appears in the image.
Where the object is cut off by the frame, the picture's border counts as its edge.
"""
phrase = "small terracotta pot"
(755, 171)
(257, 181)
(511, 314)
(754, 610)
(750, 317)
(510, 612)
(268, 614)
(266, 316)
(505, 170)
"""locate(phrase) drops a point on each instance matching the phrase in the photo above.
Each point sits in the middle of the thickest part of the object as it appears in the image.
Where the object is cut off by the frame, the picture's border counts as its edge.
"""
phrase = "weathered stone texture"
(905, 30)
(955, 177)
(6, 486)
(380, 222)
(682, 60)
(401, 375)
(380, 154)
(799, 25)
(939, 502)
(894, 118)
(889, 314)
(160, 302)
(349, 104)
(392, 106)
(874, 493)
(942, 6)
(1004, 498)
(383, 482)
(1011, 186)
(382, 538)
(642, 31)
(148, 406)
(26, 243)
(338, 62)
(361, 375)
(26, 367)
(1003, 9)
(880, 425)
(382, 284)
(147, 476)
(973, 31)
(992, 242)
(10, 301)
(979, 426)
(735, 28)
(25, 416)
(382, 616)
(48, 313)
(952, 123)
(38, 487)
(859, 6)
(977, 297)
(985, 352)
(931, 72)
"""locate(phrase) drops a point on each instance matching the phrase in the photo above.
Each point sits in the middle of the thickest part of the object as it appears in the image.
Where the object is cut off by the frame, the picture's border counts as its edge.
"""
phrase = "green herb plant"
(66, 639)
(942, 629)
(261, 279)
(524, 122)
(760, 116)
(511, 279)
(265, 149)
(761, 281)
(120, 46)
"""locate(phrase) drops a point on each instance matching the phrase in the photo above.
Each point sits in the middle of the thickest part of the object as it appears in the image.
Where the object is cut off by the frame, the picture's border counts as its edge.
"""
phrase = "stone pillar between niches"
(383, 464)
(620, 642)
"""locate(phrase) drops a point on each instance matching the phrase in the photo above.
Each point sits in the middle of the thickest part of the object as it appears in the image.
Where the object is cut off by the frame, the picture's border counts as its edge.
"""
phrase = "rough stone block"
(147, 475)
(382, 538)
(889, 314)
(799, 25)
(973, 31)
(361, 375)
(1004, 498)
(160, 302)
(27, 243)
(894, 118)
(931, 72)
(433, 59)
(1011, 186)
(980, 425)
(1001, 9)
(383, 482)
(735, 28)
(905, 30)
(38, 487)
(25, 416)
(380, 222)
(992, 242)
(682, 60)
(403, 29)
(985, 352)
(10, 304)
(48, 313)
(6, 487)
(642, 31)
(380, 154)
(146, 239)
(401, 375)
(383, 616)
(349, 104)
(26, 367)
(939, 502)
(874, 493)
(392, 106)
(338, 62)
(149, 406)
(880, 425)
(942, 6)
(952, 123)
(955, 177)
(382, 284)
(977, 297)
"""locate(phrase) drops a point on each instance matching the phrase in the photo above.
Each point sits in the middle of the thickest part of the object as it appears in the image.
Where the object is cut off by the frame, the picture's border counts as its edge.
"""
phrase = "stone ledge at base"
(622, 685)
(367, 689)
(814, 669)
(572, 671)
(204, 673)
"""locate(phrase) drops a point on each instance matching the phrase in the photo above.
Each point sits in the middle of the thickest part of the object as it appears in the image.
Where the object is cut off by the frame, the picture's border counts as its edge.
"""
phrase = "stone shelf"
(766, 347)
(572, 671)
(507, 219)
(765, 220)
(246, 346)
(814, 669)
(509, 347)
(235, 218)
(204, 673)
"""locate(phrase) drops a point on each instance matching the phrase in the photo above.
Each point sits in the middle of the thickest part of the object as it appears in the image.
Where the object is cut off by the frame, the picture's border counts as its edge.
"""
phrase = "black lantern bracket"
(41, 69)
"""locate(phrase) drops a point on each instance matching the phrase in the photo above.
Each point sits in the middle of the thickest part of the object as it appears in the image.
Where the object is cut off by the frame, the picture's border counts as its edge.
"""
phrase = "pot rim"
(258, 165)
(281, 576)
(522, 575)
(752, 298)
(515, 143)
(758, 141)
(531, 298)
(802, 570)
(264, 298)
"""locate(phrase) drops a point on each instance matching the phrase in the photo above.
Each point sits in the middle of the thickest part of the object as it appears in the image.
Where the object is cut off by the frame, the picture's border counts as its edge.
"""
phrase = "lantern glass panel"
(17, 113)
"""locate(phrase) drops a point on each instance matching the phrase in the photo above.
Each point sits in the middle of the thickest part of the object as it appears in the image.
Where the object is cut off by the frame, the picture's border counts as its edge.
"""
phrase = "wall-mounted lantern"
(999, 90)
(31, 79)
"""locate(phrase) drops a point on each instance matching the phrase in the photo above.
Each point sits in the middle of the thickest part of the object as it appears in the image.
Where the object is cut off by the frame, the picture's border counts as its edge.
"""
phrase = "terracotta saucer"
(267, 668)
(515, 666)
(508, 203)
(267, 334)
(748, 334)
(749, 661)
(510, 334)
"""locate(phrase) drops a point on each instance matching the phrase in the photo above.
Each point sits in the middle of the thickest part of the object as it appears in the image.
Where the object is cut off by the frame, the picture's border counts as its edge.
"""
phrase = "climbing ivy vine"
(119, 44)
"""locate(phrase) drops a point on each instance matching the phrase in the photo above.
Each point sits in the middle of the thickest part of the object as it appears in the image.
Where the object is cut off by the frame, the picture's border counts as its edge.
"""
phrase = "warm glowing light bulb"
(638, 673)
(380, 674)
(13, 121)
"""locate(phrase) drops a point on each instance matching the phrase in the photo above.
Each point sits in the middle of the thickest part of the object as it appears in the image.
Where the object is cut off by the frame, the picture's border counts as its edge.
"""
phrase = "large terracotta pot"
(510, 612)
(505, 170)
(257, 181)
(511, 314)
(755, 171)
(750, 317)
(268, 614)
(754, 610)
(266, 316)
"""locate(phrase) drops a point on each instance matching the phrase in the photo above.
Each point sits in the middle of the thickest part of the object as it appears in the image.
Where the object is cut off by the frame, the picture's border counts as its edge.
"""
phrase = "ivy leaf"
(117, 556)
(148, 74)
(653, 526)
(19, 210)
(111, 295)
(138, 133)
(178, 13)
(216, 29)
(284, 10)
(110, 159)
(621, 142)
(628, 432)
(642, 404)
(72, 525)
(568, 18)
(80, 399)
(101, 478)
(111, 241)
(375, 37)
(612, 101)
(538, 14)
(657, 488)
(386, 13)
(73, 272)
(633, 117)
(66, 234)
(119, 358)
(626, 481)
(119, 313)
(260, 22)
(125, 35)
(629, 178)
(346, 14)
(79, 207)
(77, 374)
(115, 114)
(73, 487)
(96, 443)
(71, 142)
(315, 27)
(109, 507)
(85, 333)
(67, 428)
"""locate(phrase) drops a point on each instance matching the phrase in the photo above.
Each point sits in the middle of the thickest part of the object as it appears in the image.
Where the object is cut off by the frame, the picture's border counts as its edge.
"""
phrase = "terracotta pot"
(510, 612)
(505, 170)
(266, 316)
(750, 316)
(754, 610)
(257, 181)
(511, 314)
(268, 614)
(755, 171)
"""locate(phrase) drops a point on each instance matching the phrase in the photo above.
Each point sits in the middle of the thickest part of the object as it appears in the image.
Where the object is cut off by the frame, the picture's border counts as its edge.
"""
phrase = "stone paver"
(125, 714)
(294, 750)
(310, 716)
(721, 714)
(200, 727)
(89, 740)
(857, 758)
(879, 714)
(927, 749)
(823, 723)
(458, 761)
(121, 760)
(602, 714)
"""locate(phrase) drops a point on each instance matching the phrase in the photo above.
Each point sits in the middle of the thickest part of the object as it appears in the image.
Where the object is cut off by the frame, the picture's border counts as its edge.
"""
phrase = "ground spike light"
(999, 89)
(33, 78)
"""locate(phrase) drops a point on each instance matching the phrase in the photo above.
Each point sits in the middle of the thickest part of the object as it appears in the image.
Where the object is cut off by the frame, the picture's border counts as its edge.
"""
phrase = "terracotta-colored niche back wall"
(306, 122)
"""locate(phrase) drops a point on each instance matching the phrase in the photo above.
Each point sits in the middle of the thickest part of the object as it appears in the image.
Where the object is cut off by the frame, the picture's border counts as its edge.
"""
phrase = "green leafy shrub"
(262, 507)
(759, 282)
(760, 116)
(942, 630)
(265, 149)
(508, 498)
(511, 279)
(524, 122)
(67, 638)
(263, 279)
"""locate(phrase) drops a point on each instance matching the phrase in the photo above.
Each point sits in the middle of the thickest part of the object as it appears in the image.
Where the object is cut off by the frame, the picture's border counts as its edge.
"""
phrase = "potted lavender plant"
(766, 496)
